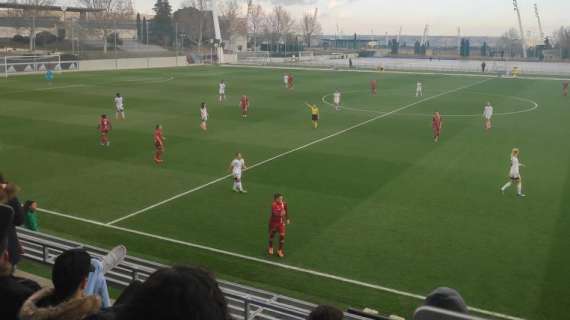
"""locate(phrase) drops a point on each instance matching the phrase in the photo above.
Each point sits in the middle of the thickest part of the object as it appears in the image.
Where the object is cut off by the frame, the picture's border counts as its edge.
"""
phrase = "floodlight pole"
(218, 33)
(517, 10)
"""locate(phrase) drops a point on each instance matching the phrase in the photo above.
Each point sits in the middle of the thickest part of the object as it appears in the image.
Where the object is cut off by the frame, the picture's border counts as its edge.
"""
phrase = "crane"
(523, 41)
(540, 29)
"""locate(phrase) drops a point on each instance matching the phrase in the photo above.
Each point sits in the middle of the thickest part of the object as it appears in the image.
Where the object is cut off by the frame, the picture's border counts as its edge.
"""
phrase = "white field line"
(258, 164)
(535, 106)
(268, 262)
(61, 87)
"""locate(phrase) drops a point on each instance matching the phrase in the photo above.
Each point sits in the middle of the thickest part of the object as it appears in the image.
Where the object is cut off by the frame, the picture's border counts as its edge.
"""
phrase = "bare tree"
(256, 18)
(196, 22)
(28, 18)
(279, 24)
(510, 43)
(562, 41)
(310, 26)
(110, 12)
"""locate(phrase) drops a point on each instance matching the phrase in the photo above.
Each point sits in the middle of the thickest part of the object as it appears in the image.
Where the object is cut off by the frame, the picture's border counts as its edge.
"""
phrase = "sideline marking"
(268, 262)
(358, 125)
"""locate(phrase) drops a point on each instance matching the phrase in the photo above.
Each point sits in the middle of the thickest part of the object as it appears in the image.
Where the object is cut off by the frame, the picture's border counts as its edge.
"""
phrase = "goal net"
(12, 65)
(257, 57)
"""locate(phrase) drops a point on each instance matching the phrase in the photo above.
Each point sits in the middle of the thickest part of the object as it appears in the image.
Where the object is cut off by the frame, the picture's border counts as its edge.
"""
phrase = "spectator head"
(30, 205)
(70, 272)
(326, 313)
(12, 191)
(446, 298)
(178, 293)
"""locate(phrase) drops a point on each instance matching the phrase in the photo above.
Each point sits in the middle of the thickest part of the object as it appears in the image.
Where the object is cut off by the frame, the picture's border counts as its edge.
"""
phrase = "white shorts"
(204, 119)
(120, 109)
(336, 101)
(487, 117)
(222, 92)
(515, 175)
(237, 175)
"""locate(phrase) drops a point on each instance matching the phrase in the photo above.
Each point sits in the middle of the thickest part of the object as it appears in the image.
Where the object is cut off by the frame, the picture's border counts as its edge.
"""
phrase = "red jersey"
(158, 139)
(373, 84)
(104, 125)
(244, 103)
(436, 123)
(290, 79)
(278, 213)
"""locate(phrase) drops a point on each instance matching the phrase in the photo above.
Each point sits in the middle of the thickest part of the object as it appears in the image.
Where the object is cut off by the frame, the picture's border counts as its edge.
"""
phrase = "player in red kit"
(436, 124)
(244, 105)
(565, 85)
(290, 82)
(104, 128)
(158, 144)
(373, 87)
(277, 223)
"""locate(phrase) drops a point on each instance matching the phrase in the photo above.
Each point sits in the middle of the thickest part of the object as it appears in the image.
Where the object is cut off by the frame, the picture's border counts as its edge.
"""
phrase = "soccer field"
(380, 213)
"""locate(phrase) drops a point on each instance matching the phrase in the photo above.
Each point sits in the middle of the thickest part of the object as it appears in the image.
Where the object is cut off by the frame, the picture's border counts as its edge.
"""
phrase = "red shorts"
(158, 146)
(277, 227)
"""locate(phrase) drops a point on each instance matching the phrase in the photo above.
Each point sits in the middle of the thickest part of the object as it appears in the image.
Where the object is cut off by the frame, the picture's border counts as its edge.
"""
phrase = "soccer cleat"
(522, 195)
(235, 189)
(280, 253)
(114, 258)
(243, 191)
(270, 251)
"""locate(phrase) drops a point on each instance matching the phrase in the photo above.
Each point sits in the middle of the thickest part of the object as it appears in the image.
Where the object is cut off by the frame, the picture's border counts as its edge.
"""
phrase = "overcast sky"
(475, 17)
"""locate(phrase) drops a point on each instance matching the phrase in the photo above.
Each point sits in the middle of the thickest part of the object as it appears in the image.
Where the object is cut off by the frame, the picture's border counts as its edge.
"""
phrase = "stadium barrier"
(243, 302)
(333, 61)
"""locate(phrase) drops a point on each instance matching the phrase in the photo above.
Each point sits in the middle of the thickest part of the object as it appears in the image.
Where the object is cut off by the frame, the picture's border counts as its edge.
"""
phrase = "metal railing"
(243, 302)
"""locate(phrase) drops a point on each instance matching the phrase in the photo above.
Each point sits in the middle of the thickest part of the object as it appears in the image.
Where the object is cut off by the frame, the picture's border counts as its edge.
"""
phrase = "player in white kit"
(286, 80)
(419, 89)
(204, 116)
(222, 92)
(514, 174)
(236, 167)
(487, 115)
(336, 97)
(119, 107)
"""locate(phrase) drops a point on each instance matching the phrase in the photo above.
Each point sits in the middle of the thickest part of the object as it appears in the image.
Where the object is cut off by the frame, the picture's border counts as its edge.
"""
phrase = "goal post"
(31, 64)
(254, 57)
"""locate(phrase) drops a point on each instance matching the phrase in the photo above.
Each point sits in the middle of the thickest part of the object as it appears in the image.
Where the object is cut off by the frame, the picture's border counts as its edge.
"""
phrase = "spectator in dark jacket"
(66, 301)
(13, 291)
(14, 247)
(447, 299)
(326, 313)
(178, 293)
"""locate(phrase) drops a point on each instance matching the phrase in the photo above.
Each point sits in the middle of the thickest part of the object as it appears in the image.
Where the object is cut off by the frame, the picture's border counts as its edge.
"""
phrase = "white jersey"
(204, 114)
(119, 104)
(222, 89)
(286, 79)
(237, 167)
(337, 97)
(488, 112)
(515, 165)
(419, 86)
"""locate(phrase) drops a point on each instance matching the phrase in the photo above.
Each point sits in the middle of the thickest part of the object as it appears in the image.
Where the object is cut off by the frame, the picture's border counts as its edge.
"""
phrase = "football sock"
(519, 188)
(506, 186)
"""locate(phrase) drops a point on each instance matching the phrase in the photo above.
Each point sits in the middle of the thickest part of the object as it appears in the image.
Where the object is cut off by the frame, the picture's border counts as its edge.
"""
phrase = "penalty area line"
(268, 262)
(281, 155)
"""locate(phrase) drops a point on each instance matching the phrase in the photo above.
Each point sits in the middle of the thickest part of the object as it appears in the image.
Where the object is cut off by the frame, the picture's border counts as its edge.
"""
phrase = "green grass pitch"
(380, 203)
